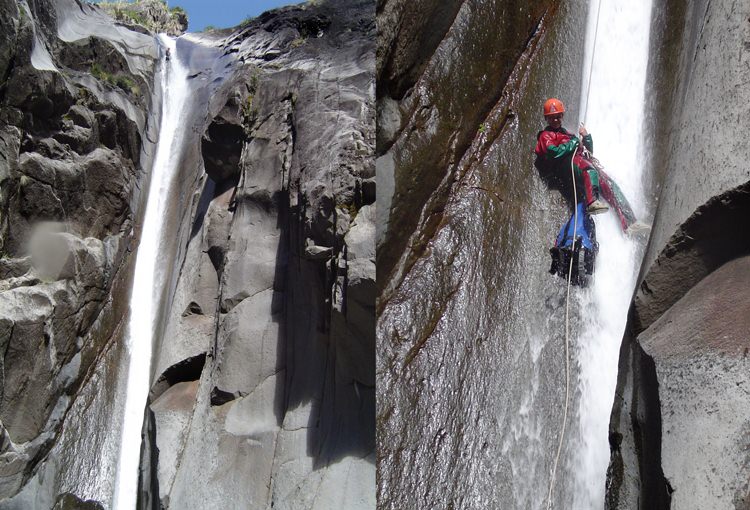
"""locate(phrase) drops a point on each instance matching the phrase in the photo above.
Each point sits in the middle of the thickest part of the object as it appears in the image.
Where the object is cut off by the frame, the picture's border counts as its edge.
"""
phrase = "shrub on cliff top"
(153, 15)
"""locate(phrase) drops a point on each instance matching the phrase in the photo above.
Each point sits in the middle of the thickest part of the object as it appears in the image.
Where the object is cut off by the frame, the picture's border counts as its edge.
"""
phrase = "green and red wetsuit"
(556, 146)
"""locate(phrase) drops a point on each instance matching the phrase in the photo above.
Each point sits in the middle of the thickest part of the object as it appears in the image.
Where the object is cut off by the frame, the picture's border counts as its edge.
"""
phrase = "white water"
(148, 281)
(615, 115)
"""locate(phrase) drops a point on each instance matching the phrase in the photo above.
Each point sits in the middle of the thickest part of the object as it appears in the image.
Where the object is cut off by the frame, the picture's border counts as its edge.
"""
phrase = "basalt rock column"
(679, 428)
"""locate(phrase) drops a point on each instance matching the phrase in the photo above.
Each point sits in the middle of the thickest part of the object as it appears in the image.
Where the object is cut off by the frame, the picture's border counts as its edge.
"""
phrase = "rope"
(567, 340)
(591, 68)
(570, 275)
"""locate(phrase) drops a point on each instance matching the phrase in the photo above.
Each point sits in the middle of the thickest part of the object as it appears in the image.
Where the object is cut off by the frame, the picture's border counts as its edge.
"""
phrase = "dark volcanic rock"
(276, 287)
(463, 219)
(69, 175)
(679, 428)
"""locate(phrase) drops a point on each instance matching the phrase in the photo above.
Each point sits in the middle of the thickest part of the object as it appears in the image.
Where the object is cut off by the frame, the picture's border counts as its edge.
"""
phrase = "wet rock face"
(276, 292)
(678, 433)
(409, 34)
(462, 283)
(68, 178)
(432, 127)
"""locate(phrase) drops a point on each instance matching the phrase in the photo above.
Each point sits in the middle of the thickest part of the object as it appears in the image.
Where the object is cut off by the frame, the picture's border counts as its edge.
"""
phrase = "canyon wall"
(470, 323)
(680, 426)
(264, 388)
(76, 144)
(263, 385)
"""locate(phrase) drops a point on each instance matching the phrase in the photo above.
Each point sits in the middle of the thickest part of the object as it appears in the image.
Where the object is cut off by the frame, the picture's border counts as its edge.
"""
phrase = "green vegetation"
(247, 107)
(137, 12)
(99, 73)
(124, 11)
(127, 84)
(83, 95)
(254, 81)
(249, 114)
(121, 81)
(299, 41)
(210, 28)
(482, 128)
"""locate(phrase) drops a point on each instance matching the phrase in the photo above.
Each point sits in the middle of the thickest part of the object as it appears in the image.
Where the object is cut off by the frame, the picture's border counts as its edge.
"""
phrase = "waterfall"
(148, 280)
(615, 117)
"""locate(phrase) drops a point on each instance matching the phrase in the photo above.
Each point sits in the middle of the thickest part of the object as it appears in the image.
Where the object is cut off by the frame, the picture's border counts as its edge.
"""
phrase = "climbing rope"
(570, 274)
(567, 339)
(591, 67)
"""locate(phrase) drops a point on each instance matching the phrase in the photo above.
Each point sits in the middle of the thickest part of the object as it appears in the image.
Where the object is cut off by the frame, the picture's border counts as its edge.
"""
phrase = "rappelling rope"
(591, 67)
(570, 275)
(567, 338)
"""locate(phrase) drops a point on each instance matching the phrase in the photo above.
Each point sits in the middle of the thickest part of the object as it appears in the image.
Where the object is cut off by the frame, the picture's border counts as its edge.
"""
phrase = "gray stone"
(64, 289)
(389, 123)
(172, 411)
(314, 252)
(248, 345)
(678, 434)
(247, 342)
(267, 398)
(60, 255)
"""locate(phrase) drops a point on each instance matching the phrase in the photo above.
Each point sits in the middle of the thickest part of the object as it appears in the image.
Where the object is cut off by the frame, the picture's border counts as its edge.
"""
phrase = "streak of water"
(149, 279)
(615, 115)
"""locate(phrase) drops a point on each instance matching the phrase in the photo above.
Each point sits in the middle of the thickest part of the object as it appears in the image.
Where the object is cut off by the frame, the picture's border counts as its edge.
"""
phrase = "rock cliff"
(462, 234)
(151, 15)
(263, 382)
(680, 426)
(466, 317)
(75, 141)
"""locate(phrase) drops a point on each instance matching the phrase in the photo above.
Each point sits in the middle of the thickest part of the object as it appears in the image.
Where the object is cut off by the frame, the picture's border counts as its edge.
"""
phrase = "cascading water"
(614, 115)
(148, 281)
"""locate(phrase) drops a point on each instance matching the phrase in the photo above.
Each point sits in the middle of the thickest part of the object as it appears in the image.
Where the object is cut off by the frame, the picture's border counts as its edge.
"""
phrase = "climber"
(168, 55)
(555, 145)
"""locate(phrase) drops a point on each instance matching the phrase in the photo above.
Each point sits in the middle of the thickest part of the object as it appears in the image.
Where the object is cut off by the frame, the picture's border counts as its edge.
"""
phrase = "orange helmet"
(553, 106)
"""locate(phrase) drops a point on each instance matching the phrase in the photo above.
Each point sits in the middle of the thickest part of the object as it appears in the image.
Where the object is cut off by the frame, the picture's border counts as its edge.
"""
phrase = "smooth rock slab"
(172, 412)
(248, 345)
(700, 350)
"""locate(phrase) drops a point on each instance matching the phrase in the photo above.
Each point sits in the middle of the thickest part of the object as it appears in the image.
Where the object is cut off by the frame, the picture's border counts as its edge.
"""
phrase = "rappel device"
(582, 250)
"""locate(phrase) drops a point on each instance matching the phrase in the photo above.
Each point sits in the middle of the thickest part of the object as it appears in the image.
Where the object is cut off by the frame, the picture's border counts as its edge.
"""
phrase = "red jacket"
(558, 145)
